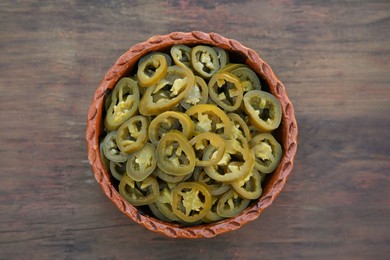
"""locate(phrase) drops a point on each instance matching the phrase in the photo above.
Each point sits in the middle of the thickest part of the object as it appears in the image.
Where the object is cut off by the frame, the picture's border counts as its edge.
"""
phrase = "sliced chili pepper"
(111, 149)
(240, 128)
(151, 69)
(142, 162)
(170, 120)
(139, 193)
(164, 204)
(267, 152)
(226, 91)
(212, 215)
(210, 118)
(247, 77)
(118, 169)
(249, 187)
(175, 154)
(204, 61)
(198, 94)
(215, 187)
(223, 56)
(181, 55)
(191, 201)
(132, 135)
(124, 103)
(168, 92)
(263, 109)
(204, 140)
(231, 204)
(236, 162)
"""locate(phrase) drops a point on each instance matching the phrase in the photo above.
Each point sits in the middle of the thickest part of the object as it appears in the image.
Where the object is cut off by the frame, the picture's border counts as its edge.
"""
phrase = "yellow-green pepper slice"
(215, 187)
(236, 162)
(204, 61)
(263, 109)
(226, 91)
(168, 92)
(124, 103)
(247, 77)
(198, 94)
(267, 152)
(223, 56)
(175, 154)
(111, 149)
(151, 69)
(212, 215)
(208, 140)
(240, 129)
(191, 201)
(249, 187)
(133, 134)
(181, 55)
(142, 162)
(170, 120)
(139, 193)
(210, 118)
(118, 169)
(231, 204)
(164, 204)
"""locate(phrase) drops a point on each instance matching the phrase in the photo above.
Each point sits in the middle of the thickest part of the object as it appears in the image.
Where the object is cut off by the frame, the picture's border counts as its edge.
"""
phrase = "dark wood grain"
(333, 58)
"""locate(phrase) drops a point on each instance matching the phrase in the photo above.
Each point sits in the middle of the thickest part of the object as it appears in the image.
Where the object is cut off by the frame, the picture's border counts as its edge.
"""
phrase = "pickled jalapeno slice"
(181, 55)
(111, 149)
(168, 92)
(226, 91)
(231, 204)
(142, 162)
(263, 109)
(175, 154)
(198, 94)
(267, 152)
(170, 120)
(204, 61)
(124, 103)
(132, 135)
(139, 193)
(151, 69)
(191, 201)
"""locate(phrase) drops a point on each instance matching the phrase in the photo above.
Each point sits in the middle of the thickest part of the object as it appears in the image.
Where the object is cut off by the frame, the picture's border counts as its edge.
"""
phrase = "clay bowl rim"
(123, 65)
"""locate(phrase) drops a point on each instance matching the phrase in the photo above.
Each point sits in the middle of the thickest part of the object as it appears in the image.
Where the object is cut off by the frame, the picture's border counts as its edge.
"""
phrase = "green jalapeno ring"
(181, 55)
(117, 169)
(191, 201)
(263, 109)
(267, 152)
(165, 122)
(247, 77)
(204, 61)
(249, 187)
(210, 118)
(198, 94)
(200, 142)
(240, 128)
(132, 135)
(142, 162)
(111, 149)
(175, 154)
(152, 69)
(223, 56)
(231, 204)
(225, 90)
(139, 193)
(124, 103)
(168, 92)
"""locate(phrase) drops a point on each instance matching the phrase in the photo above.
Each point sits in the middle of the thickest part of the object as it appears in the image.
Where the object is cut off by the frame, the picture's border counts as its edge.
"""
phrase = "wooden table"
(333, 59)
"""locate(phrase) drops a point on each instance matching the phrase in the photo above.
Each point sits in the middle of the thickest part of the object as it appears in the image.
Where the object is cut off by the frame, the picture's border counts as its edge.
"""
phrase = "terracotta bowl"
(286, 134)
